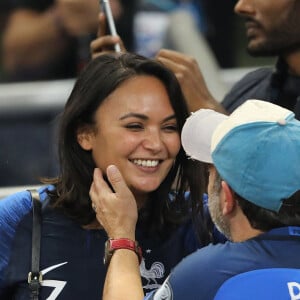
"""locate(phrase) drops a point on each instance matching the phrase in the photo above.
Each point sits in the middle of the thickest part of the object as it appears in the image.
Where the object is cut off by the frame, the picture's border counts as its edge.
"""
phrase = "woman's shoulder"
(14, 207)
(15, 214)
(13, 210)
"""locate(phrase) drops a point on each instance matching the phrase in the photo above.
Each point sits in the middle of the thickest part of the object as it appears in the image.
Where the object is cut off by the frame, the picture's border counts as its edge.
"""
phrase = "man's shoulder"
(208, 257)
(199, 275)
(257, 73)
(254, 85)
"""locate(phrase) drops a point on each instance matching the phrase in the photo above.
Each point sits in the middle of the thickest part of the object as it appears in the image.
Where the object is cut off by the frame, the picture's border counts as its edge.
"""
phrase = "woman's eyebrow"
(135, 115)
(170, 118)
(144, 117)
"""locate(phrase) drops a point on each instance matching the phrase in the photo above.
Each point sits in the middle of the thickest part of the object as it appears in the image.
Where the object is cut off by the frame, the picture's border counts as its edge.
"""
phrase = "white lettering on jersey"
(157, 270)
(58, 285)
(293, 288)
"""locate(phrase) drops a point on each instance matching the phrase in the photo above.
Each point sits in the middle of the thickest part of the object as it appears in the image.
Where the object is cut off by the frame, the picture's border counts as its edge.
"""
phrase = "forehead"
(142, 94)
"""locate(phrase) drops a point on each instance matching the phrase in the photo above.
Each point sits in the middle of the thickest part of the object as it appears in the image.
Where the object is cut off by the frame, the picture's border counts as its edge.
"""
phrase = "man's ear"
(85, 137)
(229, 200)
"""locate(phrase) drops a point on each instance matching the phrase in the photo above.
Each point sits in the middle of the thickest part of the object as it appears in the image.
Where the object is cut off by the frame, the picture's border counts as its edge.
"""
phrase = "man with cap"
(253, 157)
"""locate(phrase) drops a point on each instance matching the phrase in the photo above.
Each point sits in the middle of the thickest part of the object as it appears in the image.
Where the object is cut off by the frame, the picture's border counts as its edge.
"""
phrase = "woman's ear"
(85, 137)
(229, 200)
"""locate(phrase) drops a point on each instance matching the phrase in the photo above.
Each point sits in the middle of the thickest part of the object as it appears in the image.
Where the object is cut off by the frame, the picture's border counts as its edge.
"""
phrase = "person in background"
(273, 29)
(50, 39)
(253, 199)
(268, 35)
(129, 111)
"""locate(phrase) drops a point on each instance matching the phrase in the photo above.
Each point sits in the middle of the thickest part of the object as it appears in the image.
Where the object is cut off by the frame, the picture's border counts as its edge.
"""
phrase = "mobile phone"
(111, 23)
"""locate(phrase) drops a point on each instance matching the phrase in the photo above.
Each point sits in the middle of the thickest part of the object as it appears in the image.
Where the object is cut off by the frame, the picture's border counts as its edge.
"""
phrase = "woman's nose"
(153, 141)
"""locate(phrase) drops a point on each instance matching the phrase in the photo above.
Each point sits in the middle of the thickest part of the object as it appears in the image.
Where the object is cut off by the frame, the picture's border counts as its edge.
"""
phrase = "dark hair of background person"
(100, 78)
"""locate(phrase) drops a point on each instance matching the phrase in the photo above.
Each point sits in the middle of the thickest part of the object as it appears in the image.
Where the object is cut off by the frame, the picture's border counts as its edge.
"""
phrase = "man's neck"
(240, 228)
(293, 61)
(242, 236)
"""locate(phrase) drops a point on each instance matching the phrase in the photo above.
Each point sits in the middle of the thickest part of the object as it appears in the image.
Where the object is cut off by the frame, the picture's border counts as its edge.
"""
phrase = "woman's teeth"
(146, 163)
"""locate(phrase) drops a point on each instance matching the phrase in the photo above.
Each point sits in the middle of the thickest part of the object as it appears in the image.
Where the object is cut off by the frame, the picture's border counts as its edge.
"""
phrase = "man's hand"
(190, 78)
(115, 210)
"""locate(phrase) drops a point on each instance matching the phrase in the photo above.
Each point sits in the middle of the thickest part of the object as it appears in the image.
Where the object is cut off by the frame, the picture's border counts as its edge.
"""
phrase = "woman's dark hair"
(100, 78)
(265, 219)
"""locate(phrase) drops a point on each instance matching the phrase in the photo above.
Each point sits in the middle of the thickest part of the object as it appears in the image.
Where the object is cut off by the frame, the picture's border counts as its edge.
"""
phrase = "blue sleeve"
(12, 210)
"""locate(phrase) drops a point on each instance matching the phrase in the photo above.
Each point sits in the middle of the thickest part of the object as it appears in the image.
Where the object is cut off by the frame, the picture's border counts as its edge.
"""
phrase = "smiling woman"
(138, 133)
(129, 111)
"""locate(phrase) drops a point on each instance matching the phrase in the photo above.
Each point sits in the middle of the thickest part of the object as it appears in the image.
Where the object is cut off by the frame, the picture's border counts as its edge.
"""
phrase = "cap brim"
(197, 133)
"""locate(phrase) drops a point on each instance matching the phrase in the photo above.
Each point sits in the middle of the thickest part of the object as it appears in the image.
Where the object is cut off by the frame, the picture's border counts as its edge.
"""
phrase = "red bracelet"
(114, 244)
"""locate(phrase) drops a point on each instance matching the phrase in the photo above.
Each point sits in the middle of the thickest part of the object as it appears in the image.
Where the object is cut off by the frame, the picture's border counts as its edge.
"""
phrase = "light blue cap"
(256, 150)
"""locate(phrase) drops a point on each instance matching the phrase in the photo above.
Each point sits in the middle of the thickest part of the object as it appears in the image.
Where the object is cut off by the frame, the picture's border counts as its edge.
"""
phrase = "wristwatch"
(113, 244)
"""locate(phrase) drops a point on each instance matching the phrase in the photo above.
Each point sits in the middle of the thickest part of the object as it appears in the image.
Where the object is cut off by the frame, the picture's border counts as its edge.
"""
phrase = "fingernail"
(97, 172)
(112, 169)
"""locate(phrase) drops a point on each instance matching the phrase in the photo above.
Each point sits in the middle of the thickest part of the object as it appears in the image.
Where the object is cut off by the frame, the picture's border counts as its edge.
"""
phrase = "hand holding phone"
(111, 23)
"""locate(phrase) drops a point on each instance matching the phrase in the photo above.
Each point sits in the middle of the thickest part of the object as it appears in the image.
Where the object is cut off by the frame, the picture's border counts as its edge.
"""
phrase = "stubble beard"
(280, 40)
(217, 216)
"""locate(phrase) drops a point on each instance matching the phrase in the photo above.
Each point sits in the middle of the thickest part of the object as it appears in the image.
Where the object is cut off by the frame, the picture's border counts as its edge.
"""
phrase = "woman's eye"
(134, 126)
(172, 127)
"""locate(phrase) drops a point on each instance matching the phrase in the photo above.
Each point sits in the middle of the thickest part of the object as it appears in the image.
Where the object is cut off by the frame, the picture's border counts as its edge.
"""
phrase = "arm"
(190, 78)
(32, 39)
(117, 213)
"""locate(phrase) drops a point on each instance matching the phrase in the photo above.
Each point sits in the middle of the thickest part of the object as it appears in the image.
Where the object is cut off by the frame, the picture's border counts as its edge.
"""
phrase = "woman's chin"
(144, 189)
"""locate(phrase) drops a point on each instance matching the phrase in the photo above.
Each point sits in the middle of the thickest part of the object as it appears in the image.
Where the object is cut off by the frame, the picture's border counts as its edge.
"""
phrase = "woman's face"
(137, 131)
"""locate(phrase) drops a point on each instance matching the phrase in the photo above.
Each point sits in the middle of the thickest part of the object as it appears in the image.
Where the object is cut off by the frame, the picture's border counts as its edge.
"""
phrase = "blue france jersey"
(201, 274)
(72, 257)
